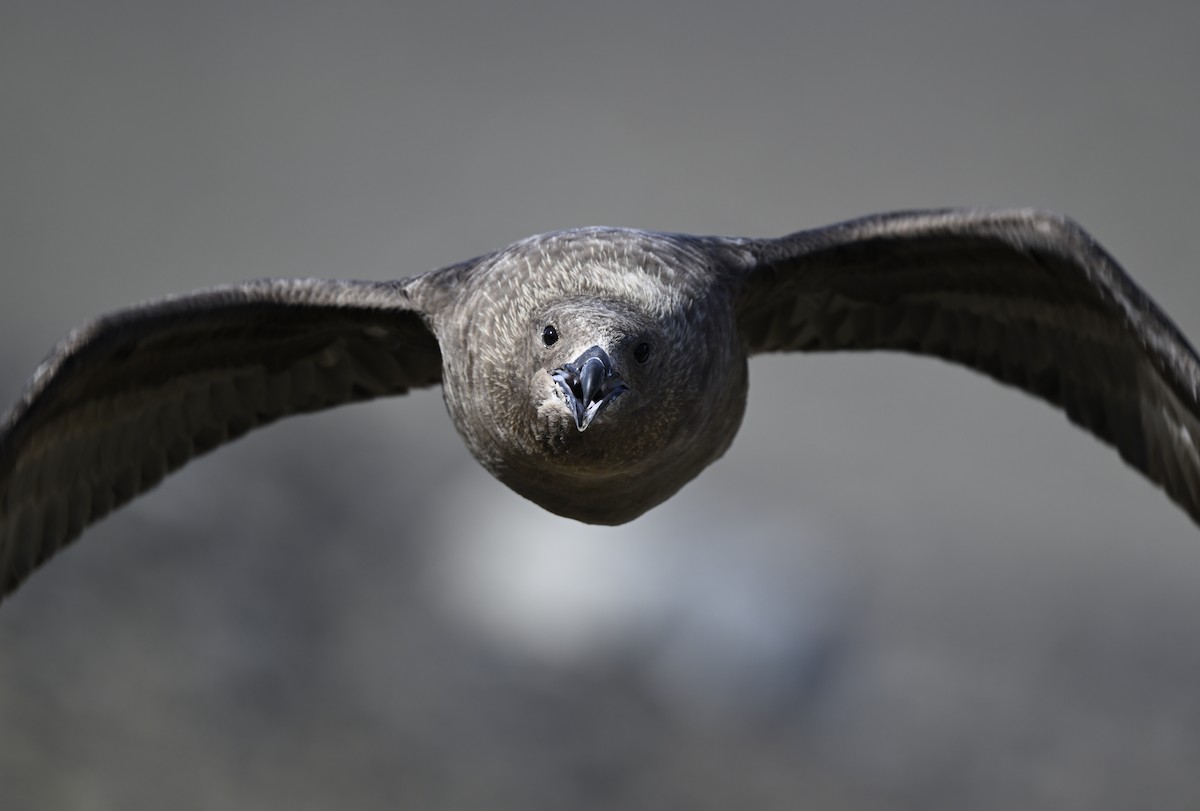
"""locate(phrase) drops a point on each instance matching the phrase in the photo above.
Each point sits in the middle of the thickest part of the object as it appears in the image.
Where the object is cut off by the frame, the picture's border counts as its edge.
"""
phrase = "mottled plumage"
(596, 371)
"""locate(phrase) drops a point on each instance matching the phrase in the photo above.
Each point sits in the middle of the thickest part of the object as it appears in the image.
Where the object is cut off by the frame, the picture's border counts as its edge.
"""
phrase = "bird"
(595, 371)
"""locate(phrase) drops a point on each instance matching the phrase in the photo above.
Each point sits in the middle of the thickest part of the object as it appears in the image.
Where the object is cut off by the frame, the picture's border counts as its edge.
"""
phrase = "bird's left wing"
(133, 395)
(1026, 297)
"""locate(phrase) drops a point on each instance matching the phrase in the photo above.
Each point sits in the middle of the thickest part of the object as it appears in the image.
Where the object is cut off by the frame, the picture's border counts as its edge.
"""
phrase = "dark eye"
(549, 335)
(641, 352)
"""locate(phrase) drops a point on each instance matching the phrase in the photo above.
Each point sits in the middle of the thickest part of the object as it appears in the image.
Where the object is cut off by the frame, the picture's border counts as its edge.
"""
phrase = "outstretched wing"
(1024, 296)
(128, 398)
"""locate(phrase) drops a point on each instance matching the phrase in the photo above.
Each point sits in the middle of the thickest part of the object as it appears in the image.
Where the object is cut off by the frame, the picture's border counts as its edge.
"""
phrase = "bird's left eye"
(549, 335)
(641, 352)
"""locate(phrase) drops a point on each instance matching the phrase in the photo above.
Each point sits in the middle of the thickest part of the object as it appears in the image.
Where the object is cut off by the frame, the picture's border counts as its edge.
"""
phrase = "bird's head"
(588, 354)
(609, 376)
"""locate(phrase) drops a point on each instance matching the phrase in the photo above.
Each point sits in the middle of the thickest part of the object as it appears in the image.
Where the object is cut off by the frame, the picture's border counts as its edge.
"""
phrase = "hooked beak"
(588, 385)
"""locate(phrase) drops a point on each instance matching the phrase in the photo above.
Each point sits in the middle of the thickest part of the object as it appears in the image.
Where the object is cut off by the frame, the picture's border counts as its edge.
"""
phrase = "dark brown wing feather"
(1024, 296)
(134, 395)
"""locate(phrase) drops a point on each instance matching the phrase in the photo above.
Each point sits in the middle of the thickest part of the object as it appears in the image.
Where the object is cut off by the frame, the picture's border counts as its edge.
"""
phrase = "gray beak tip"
(588, 385)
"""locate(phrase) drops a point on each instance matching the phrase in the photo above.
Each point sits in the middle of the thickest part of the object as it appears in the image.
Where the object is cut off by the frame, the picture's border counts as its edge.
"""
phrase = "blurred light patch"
(721, 615)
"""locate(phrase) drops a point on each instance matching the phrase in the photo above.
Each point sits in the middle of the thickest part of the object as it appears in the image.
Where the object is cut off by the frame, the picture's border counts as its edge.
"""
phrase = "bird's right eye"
(549, 335)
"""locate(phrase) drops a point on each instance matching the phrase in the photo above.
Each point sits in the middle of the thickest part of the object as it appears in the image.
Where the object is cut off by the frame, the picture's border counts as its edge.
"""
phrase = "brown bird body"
(612, 289)
(596, 371)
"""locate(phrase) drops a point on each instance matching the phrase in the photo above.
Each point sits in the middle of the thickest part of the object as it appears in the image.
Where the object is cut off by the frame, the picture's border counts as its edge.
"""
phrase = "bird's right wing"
(133, 395)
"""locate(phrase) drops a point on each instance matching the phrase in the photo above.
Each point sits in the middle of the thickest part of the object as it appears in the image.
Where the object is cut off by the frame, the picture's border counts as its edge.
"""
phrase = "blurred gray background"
(904, 587)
